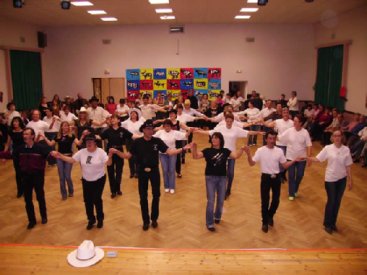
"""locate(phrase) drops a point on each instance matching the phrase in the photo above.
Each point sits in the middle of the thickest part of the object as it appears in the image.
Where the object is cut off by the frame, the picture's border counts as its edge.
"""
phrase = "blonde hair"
(59, 134)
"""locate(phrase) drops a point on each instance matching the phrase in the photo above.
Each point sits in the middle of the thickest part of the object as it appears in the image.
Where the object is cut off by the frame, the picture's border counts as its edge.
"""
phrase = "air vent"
(176, 29)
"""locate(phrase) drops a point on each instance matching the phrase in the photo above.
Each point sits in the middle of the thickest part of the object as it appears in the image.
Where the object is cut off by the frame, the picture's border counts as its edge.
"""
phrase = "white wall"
(281, 59)
(350, 26)
(13, 34)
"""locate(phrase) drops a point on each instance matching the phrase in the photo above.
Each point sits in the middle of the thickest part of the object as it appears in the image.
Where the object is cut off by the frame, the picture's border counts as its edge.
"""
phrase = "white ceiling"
(49, 12)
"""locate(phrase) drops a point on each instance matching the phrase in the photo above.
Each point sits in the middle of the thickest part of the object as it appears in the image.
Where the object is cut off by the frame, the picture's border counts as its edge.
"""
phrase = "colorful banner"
(173, 81)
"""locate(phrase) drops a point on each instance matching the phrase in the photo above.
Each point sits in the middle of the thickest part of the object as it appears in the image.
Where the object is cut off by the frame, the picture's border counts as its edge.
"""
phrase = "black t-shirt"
(216, 161)
(3, 136)
(116, 137)
(193, 102)
(146, 151)
(65, 144)
(32, 160)
(16, 138)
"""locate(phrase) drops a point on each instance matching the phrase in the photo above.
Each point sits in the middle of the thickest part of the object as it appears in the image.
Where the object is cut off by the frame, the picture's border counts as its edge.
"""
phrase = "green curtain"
(26, 76)
(329, 77)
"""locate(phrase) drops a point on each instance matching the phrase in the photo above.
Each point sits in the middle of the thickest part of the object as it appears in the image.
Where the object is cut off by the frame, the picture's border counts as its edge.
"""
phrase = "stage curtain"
(26, 76)
(329, 77)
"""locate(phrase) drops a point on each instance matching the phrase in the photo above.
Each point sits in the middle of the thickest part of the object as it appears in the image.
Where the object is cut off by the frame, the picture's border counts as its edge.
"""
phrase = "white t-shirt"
(252, 114)
(148, 110)
(281, 126)
(220, 117)
(39, 127)
(266, 112)
(269, 159)
(185, 118)
(123, 110)
(70, 117)
(98, 114)
(55, 126)
(230, 135)
(169, 138)
(235, 123)
(293, 104)
(337, 161)
(133, 127)
(296, 142)
(13, 115)
(92, 164)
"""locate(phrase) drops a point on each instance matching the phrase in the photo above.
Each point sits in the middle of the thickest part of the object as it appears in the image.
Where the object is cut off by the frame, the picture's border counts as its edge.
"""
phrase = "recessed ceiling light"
(242, 17)
(81, 3)
(109, 19)
(94, 12)
(168, 17)
(249, 9)
(163, 10)
(153, 2)
(252, 1)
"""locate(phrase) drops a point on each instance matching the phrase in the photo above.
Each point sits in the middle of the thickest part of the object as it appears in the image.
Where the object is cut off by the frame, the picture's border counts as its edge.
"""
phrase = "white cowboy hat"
(137, 111)
(86, 255)
(82, 109)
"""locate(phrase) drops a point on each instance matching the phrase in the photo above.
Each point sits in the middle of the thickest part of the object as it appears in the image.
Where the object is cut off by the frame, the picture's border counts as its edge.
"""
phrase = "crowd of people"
(161, 130)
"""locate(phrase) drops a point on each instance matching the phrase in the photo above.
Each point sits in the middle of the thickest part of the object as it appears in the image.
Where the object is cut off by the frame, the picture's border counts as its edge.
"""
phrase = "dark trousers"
(92, 194)
(335, 191)
(115, 174)
(179, 144)
(51, 136)
(36, 182)
(18, 178)
(143, 181)
(132, 161)
(267, 184)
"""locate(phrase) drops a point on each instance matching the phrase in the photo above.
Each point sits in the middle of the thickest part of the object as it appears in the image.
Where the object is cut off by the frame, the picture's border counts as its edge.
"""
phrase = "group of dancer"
(286, 146)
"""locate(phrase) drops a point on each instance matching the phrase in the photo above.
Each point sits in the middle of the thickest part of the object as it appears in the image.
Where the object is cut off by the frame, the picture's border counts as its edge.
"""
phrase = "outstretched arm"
(195, 153)
(251, 162)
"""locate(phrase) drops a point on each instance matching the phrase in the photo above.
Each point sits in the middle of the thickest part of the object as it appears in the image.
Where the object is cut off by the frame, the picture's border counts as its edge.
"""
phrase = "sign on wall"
(173, 81)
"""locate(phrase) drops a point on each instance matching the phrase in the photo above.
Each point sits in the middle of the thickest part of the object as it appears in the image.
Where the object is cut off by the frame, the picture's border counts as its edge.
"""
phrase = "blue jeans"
(64, 169)
(335, 191)
(295, 175)
(214, 184)
(168, 167)
(252, 139)
(230, 174)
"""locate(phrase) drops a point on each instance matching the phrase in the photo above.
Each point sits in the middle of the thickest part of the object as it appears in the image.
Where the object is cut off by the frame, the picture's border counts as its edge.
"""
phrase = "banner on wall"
(173, 81)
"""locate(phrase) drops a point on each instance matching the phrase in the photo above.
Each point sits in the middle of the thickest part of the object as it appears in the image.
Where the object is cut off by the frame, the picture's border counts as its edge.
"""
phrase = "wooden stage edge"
(41, 259)
(316, 250)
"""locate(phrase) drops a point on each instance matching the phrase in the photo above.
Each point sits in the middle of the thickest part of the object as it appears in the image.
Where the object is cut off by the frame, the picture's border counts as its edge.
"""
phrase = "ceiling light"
(81, 3)
(249, 9)
(65, 4)
(154, 2)
(262, 2)
(168, 17)
(94, 12)
(109, 19)
(18, 3)
(252, 1)
(163, 10)
(242, 17)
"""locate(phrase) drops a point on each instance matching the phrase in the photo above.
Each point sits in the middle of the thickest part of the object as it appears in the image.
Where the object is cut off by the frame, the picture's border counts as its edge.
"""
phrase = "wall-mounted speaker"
(42, 39)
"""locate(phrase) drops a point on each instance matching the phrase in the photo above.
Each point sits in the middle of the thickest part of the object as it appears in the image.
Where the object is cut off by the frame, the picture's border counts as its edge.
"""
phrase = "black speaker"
(42, 40)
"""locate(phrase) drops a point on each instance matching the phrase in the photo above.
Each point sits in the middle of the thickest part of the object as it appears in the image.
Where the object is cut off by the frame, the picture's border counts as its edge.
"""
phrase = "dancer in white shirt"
(299, 145)
(338, 173)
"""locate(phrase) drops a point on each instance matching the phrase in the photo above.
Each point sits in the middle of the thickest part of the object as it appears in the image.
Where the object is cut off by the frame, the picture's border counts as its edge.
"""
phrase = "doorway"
(235, 86)
(104, 87)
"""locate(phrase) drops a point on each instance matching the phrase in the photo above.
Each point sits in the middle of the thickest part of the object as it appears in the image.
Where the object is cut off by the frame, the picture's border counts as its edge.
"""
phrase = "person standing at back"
(146, 151)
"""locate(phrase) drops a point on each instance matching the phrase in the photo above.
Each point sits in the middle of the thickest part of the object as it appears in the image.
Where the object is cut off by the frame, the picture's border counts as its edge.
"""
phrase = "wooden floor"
(298, 224)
